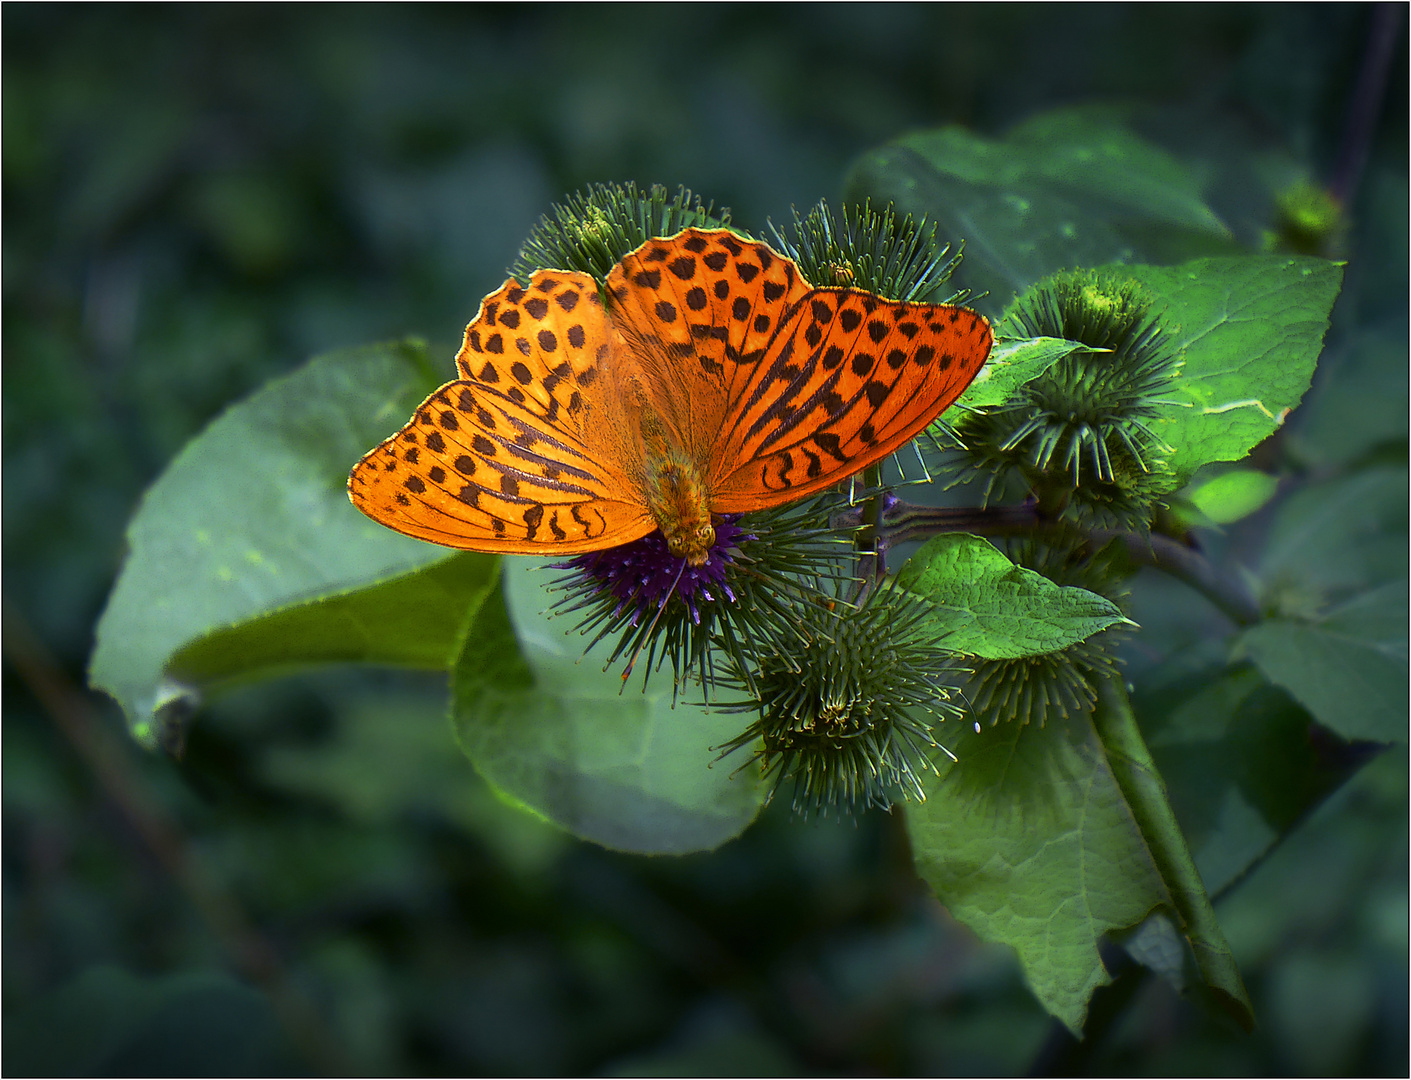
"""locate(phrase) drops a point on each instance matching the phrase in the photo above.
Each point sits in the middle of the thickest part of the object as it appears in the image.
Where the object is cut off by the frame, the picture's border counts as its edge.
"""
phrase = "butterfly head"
(693, 545)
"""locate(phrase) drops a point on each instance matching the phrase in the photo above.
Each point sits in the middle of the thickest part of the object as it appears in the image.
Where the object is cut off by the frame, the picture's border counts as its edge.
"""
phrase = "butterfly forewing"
(847, 380)
(547, 341)
(698, 311)
(522, 454)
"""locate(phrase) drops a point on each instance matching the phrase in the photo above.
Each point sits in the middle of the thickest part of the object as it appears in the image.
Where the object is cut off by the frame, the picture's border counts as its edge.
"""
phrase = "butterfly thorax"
(676, 497)
(673, 483)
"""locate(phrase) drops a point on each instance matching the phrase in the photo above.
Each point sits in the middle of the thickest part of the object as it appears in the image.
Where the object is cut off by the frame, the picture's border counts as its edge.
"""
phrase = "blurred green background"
(196, 199)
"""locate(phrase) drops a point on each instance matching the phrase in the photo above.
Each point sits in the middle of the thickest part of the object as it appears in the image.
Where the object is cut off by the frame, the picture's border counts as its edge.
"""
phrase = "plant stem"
(1144, 791)
(905, 522)
(1366, 103)
(1186, 564)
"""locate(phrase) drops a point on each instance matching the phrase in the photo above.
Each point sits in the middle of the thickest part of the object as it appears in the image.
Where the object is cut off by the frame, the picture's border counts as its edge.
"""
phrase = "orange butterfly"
(715, 381)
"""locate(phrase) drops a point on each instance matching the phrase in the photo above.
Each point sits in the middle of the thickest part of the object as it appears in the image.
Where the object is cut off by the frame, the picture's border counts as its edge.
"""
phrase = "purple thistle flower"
(641, 575)
(654, 604)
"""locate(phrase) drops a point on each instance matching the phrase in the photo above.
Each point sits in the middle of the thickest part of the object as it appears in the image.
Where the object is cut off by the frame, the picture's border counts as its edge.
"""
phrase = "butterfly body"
(671, 478)
(679, 502)
(706, 378)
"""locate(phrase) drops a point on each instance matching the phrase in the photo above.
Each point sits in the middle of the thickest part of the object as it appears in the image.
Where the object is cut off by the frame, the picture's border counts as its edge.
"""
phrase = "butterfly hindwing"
(848, 379)
(503, 460)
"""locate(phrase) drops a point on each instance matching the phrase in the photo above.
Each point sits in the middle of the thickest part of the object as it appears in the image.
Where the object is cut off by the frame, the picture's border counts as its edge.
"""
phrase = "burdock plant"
(849, 718)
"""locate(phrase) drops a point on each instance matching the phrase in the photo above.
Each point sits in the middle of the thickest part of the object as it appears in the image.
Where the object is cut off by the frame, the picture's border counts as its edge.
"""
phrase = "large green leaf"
(253, 518)
(1028, 842)
(570, 742)
(1342, 535)
(1047, 839)
(989, 607)
(1249, 329)
(1089, 148)
(1012, 237)
(1235, 751)
(1349, 670)
(413, 620)
(1072, 187)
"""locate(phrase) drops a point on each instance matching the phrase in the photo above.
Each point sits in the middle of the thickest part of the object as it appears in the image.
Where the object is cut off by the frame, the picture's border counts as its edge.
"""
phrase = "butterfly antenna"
(642, 641)
(973, 714)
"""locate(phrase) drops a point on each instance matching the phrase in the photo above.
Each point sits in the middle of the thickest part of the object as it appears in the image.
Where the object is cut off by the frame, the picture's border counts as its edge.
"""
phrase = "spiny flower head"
(847, 718)
(1080, 434)
(593, 230)
(1309, 221)
(1095, 396)
(868, 249)
(657, 604)
(1034, 689)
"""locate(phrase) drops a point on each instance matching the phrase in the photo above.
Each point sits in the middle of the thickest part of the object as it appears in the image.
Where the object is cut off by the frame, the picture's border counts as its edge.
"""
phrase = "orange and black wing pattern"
(509, 458)
(847, 379)
(696, 313)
